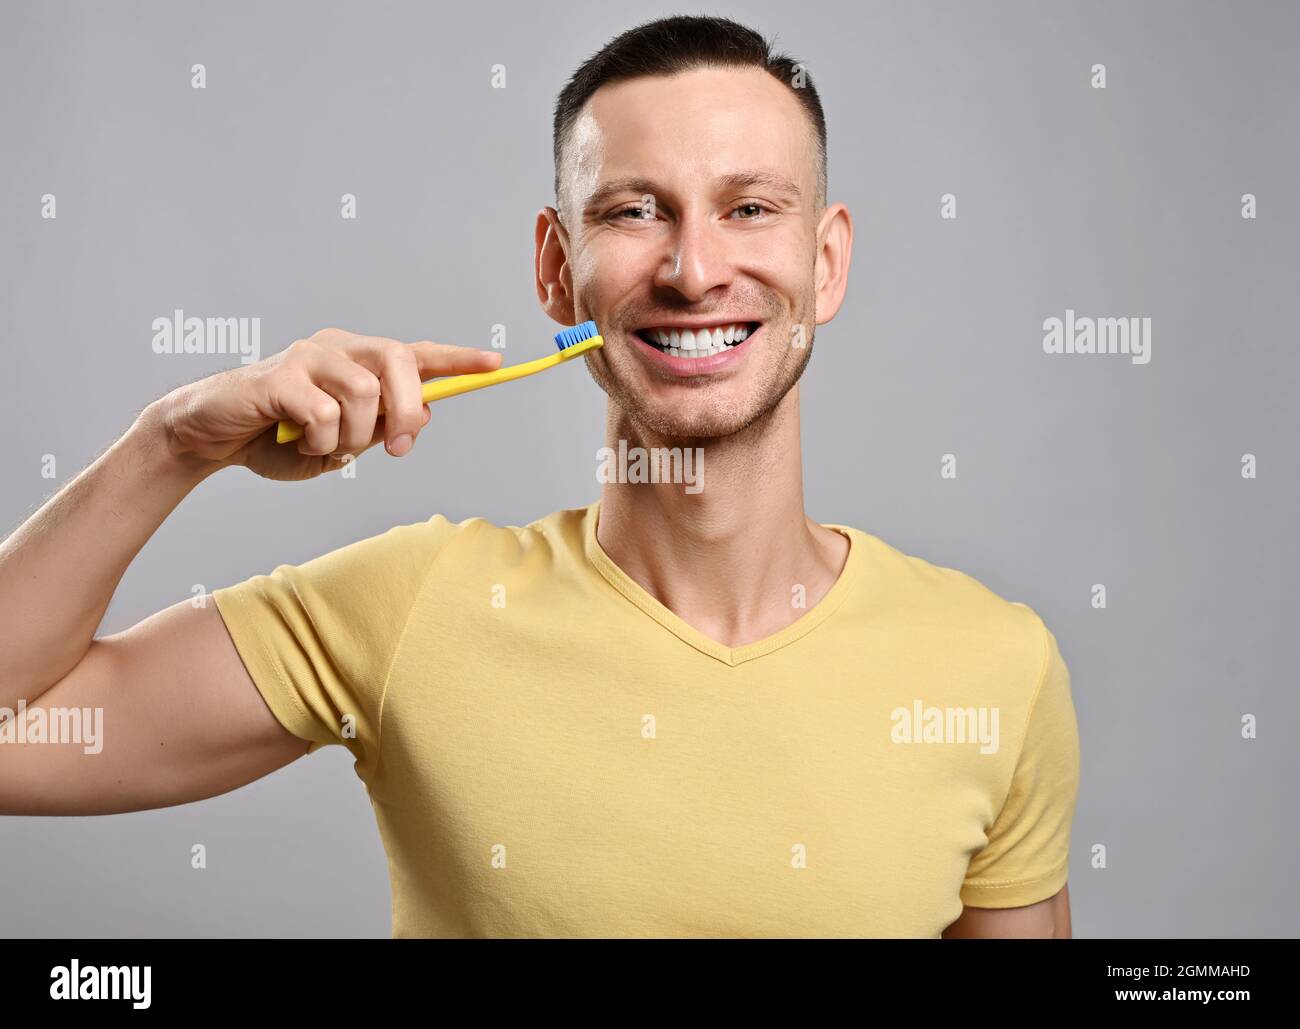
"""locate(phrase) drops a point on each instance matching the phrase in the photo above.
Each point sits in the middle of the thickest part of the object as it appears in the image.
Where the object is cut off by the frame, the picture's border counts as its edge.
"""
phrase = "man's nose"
(698, 259)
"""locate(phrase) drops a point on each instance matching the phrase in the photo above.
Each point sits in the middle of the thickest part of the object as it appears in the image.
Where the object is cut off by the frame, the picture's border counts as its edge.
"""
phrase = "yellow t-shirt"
(550, 751)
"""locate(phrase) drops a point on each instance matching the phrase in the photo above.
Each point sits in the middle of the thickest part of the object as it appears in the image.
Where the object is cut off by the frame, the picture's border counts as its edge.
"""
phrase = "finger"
(436, 359)
(392, 360)
(399, 378)
(378, 436)
(315, 410)
(433, 359)
(357, 390)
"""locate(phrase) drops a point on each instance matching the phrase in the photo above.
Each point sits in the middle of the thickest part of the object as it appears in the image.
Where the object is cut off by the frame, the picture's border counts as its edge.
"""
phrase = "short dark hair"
(680, 43)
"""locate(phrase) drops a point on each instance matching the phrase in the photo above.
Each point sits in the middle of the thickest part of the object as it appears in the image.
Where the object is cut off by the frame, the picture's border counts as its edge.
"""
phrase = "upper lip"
(699, 323)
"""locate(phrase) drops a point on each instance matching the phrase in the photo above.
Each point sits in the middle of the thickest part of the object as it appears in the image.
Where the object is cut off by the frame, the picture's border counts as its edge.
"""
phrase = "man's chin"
(693, 421)
(675, 410)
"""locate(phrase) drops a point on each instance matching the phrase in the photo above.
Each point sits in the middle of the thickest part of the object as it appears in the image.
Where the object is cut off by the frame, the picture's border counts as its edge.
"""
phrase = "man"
(685, 709)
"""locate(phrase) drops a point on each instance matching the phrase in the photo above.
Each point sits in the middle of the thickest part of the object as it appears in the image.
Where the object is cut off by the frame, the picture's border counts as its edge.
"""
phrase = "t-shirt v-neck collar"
(801, 626)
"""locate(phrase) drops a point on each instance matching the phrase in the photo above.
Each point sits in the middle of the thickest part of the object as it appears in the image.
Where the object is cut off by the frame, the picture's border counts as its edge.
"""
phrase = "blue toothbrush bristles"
(568, 337)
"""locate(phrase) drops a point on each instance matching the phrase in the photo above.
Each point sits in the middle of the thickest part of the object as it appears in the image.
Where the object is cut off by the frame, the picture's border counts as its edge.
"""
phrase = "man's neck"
(729, 559)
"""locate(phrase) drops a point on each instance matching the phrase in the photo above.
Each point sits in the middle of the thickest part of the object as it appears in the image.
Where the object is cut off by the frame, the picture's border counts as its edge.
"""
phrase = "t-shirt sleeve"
(1026, 859)
(318, 638)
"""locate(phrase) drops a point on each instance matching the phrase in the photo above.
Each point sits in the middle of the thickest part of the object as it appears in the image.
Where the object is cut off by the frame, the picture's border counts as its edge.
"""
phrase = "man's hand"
(331, 385)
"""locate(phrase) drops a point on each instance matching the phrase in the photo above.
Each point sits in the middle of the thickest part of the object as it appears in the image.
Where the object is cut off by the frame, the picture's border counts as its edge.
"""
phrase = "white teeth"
(697, 352)
(698, 342)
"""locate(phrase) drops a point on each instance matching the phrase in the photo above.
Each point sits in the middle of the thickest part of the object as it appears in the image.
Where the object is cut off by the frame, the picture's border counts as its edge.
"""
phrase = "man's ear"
(834, 252)
(553, 280)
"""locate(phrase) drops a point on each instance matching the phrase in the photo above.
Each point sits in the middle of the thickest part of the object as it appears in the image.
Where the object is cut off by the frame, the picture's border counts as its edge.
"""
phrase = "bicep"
(1048, 919)
(178, 717)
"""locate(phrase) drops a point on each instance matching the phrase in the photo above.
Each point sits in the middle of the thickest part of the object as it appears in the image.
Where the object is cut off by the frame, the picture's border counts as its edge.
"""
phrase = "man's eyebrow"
(732, 182)
(607, 191)
(744, 180)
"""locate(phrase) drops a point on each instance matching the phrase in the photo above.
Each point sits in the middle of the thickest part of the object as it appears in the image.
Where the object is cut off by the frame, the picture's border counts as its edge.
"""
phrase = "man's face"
(690, 206)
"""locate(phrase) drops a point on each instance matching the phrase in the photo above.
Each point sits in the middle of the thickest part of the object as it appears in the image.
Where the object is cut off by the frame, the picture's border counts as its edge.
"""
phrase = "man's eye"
(640, 213)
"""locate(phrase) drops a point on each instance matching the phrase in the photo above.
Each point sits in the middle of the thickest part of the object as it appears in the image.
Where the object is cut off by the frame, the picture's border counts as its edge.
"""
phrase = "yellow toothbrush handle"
(437, 389)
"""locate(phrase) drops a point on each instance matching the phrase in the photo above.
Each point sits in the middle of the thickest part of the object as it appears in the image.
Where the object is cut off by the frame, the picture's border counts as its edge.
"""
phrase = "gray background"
(1072, 470)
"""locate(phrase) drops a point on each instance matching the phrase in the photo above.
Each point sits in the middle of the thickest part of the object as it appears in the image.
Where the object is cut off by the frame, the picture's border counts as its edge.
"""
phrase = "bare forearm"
(60, 568)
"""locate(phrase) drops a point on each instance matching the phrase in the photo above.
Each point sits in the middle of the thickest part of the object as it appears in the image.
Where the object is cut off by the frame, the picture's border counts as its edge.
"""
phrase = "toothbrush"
(572, 342)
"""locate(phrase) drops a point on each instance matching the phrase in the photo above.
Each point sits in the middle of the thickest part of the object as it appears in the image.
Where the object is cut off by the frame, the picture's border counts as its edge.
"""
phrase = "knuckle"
(324, 412)
(399, 354)
(364, 385)
(299, 349)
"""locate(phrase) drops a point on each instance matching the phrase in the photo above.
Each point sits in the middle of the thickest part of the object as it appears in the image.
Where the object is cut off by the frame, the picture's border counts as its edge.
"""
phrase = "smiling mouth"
(700, 342)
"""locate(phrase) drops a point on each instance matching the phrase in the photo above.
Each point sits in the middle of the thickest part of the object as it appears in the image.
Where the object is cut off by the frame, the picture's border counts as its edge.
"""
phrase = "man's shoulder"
(484, 537)
(952, 605)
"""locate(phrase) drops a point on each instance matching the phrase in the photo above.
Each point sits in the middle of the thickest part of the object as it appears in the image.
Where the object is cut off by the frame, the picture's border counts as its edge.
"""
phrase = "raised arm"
(182, 719)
